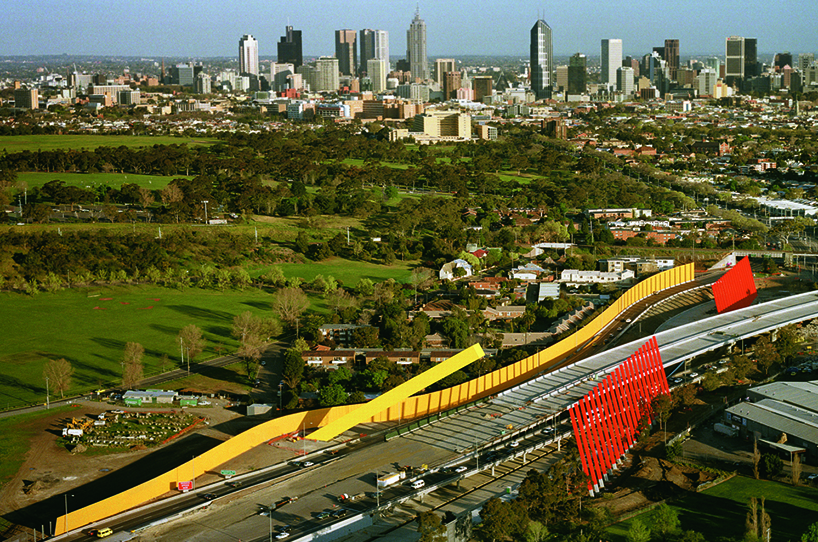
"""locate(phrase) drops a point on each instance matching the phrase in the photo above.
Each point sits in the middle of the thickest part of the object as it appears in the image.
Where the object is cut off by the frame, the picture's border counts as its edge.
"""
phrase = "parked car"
(322, 515)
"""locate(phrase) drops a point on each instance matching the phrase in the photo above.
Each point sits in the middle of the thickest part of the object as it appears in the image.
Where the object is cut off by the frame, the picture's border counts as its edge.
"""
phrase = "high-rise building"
(346, 51)
(805, 60)
(630, 62)
(562, 78)
(577, 74)
(377, 70)
(416, 48)
(671, 56)
(289, 48)
(442, 67)
(625, 80)
(542, 60)
(25, 98)
(373, 44)
(706, 81)
(610, 60)
(451, 83)
(483, 85)
(328, 78)
(751, 66)
(248, 55)
(783, 59)
(201, 85)
(734, 69)
(714, 63)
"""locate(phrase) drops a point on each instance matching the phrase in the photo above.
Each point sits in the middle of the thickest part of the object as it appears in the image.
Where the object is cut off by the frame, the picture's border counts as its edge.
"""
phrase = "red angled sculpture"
(736, 289)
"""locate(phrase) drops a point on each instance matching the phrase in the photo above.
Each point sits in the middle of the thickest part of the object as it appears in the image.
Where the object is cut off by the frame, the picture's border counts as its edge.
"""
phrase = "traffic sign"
(184, 486)
(228, 473)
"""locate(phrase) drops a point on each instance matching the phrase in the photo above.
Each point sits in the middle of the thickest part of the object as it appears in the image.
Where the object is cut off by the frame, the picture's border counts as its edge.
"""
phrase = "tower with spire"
(416, 48)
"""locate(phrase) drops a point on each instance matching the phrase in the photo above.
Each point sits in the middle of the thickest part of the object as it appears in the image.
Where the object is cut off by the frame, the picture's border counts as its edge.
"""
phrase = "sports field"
(721, 510)
(89, 328)
(62, 142)
(93, 180)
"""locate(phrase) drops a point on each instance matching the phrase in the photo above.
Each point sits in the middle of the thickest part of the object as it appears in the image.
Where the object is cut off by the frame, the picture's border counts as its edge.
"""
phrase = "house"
(447, 272)
(401, 357)
(575, 276)
(528, 272)
(331, 358)
(537, 291)
(436, 309)
(506, 312)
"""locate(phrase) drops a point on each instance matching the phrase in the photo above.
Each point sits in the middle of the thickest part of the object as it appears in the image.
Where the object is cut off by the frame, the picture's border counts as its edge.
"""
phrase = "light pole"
(65, 496)
(47, 400)
(377, 492)
(270, 518)
(205, 205)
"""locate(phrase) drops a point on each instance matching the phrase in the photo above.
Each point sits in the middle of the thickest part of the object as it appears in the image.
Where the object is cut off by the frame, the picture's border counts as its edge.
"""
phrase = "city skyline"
(452, 30)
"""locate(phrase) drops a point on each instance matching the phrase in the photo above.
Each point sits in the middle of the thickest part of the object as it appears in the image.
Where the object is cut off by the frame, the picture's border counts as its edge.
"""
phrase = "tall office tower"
(714, 63)
(734, 60)
(346, 51)
(562, 78)
(542, 59)
(483, 85)
(289, 48)
(783, 59)
(25, 98)
(625, 80)
(706, 82)
(631, 62)
(751, 66)
(450, 85)
(248, 54)
(374, 44)
(577, 75)
(610, 60)
(201, 85)
(281, 76)
(442, 67)
(377, 69)
(805, 60)
(416, 48)
(328, 78)
(671, 56)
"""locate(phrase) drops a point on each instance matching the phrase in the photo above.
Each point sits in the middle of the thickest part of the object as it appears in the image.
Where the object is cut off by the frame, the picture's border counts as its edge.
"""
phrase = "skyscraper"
(625, 81)
(782, 60)
(577, 75)
(542, 61)
(751, 66)
(610, 60)
(373, 44)
(248, 54)
(327, 79)
(377, 69)
(483, 86)
(416, 48)
(451, 83)
(734, 68)
(289, 48)
(671, 56)
(442, 67)
(805, 60)
(346, 51)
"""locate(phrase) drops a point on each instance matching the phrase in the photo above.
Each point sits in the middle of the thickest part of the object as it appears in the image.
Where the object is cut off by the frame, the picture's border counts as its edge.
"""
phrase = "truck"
(392, 478)
(725, 429)
(285, 500)
(346, 497)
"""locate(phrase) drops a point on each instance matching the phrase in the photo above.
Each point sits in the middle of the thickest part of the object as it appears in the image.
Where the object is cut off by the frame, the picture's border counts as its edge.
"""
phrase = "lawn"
(93, 180)
(228, 379)
(61, 142)
(16, 431)
(721, 510)
(91, 332)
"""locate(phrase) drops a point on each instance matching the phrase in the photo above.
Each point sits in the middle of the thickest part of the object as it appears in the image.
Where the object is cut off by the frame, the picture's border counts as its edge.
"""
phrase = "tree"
(767, 354)
(58, 373)
(771, 465)
(192, 340)
(536, 532)
(638, 532)
(741, 364)
(811, 534)
(796, 469)
(430, 527)
(502, 520)
(289, 303)
(756, 460)
(132, 367)
(661, 407)
(293, 367)
(332, 395)
(665, 521)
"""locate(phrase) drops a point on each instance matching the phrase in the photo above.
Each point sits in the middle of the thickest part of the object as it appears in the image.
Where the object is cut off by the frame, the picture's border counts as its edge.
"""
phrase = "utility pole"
(205, 206)
(47, 399)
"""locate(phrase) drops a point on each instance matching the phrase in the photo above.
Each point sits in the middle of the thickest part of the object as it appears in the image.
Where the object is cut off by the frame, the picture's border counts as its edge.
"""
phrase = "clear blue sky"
(202, 28)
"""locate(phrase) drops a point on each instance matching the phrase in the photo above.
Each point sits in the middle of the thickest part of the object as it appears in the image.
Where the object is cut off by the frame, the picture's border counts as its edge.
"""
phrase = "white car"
(461, 468)
(282, 536)
(306, 464)
(203, 403)
(514, 444)
(694, 375)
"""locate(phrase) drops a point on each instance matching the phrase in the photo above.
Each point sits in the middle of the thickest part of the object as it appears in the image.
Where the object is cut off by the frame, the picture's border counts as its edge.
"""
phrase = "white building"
(575, 276)
(248, 54)
(610, 60)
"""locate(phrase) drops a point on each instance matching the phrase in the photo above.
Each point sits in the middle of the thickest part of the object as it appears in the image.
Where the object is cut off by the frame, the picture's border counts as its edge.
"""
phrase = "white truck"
(388, 479)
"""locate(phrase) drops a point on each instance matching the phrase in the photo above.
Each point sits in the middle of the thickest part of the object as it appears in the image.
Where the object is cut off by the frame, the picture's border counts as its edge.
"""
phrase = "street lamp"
(65, 496)
(280, 384)
(270, 518)
(205, 205)
(377, 492)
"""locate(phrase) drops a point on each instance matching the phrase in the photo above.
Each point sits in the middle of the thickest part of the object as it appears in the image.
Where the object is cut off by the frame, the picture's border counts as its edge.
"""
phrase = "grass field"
(349, 272)
(93, 180)
(67, 325)
(16, 431)
(54, 142)
(721, 511)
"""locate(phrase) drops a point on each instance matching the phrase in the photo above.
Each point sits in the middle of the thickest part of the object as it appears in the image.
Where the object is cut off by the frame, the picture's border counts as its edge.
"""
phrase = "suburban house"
(447, 272)
(329, 358)
(528, 272)
(506, 312)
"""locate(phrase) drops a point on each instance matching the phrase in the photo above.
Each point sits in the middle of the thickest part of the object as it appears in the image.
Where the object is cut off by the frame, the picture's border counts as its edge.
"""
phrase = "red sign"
(184, 486)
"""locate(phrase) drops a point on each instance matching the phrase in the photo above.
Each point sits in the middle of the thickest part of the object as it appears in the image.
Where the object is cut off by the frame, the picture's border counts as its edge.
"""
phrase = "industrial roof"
(801, 394)
(785, 418)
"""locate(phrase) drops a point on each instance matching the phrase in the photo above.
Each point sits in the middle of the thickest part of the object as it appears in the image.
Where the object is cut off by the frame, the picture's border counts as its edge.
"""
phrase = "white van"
(417, 484)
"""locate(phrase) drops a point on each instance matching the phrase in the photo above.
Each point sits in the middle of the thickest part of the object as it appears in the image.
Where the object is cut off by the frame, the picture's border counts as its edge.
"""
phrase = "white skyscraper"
(610, 60)
(416, 48)
(374, 44)
(248, 54)
(624, 80)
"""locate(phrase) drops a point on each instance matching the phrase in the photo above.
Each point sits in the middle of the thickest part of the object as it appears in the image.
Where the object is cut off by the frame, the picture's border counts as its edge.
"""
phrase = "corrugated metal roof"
(785, 418)
(801, 394)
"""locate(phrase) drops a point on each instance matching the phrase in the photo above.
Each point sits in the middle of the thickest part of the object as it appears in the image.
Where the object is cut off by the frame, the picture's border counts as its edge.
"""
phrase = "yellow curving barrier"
(412, 407)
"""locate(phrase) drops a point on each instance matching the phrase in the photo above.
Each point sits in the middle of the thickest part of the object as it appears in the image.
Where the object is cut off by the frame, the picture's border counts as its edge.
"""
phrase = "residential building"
(451, 84)
(25, 98)
(575, 276)
(447, 272)
(201, 85)
(416, 48)
(577, 74)
(248, 55)
(346, 51)
(542, 60)
(504, 312)
(129, 97)
(671, 56)
(443, 124)
(442, 67)
(528, 272)
(610, 60)
(484, 131)
(328, 79)
(329, 358)
(340, 333)
(400, 357)
(416, 92)
(289, 48)
(706, 82)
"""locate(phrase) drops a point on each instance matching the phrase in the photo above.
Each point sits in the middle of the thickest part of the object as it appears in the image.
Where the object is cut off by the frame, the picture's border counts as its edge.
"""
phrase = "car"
(203, 403)
(117, 412)
(461, 468)
(514, 444)
(263, 363)
(105, 531)
(234, 484)
(722, 361)
(282, 535)
(208, 496)
(694, 375)
(264, 513)
(340, 513)
(627, 320)
(677, 380)
(305, 464)
(812, 477)
(417, 484)
(548, 430)
(322, 515)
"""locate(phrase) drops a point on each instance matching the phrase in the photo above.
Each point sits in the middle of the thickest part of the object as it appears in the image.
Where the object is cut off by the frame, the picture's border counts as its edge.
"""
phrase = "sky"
(208, 28)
